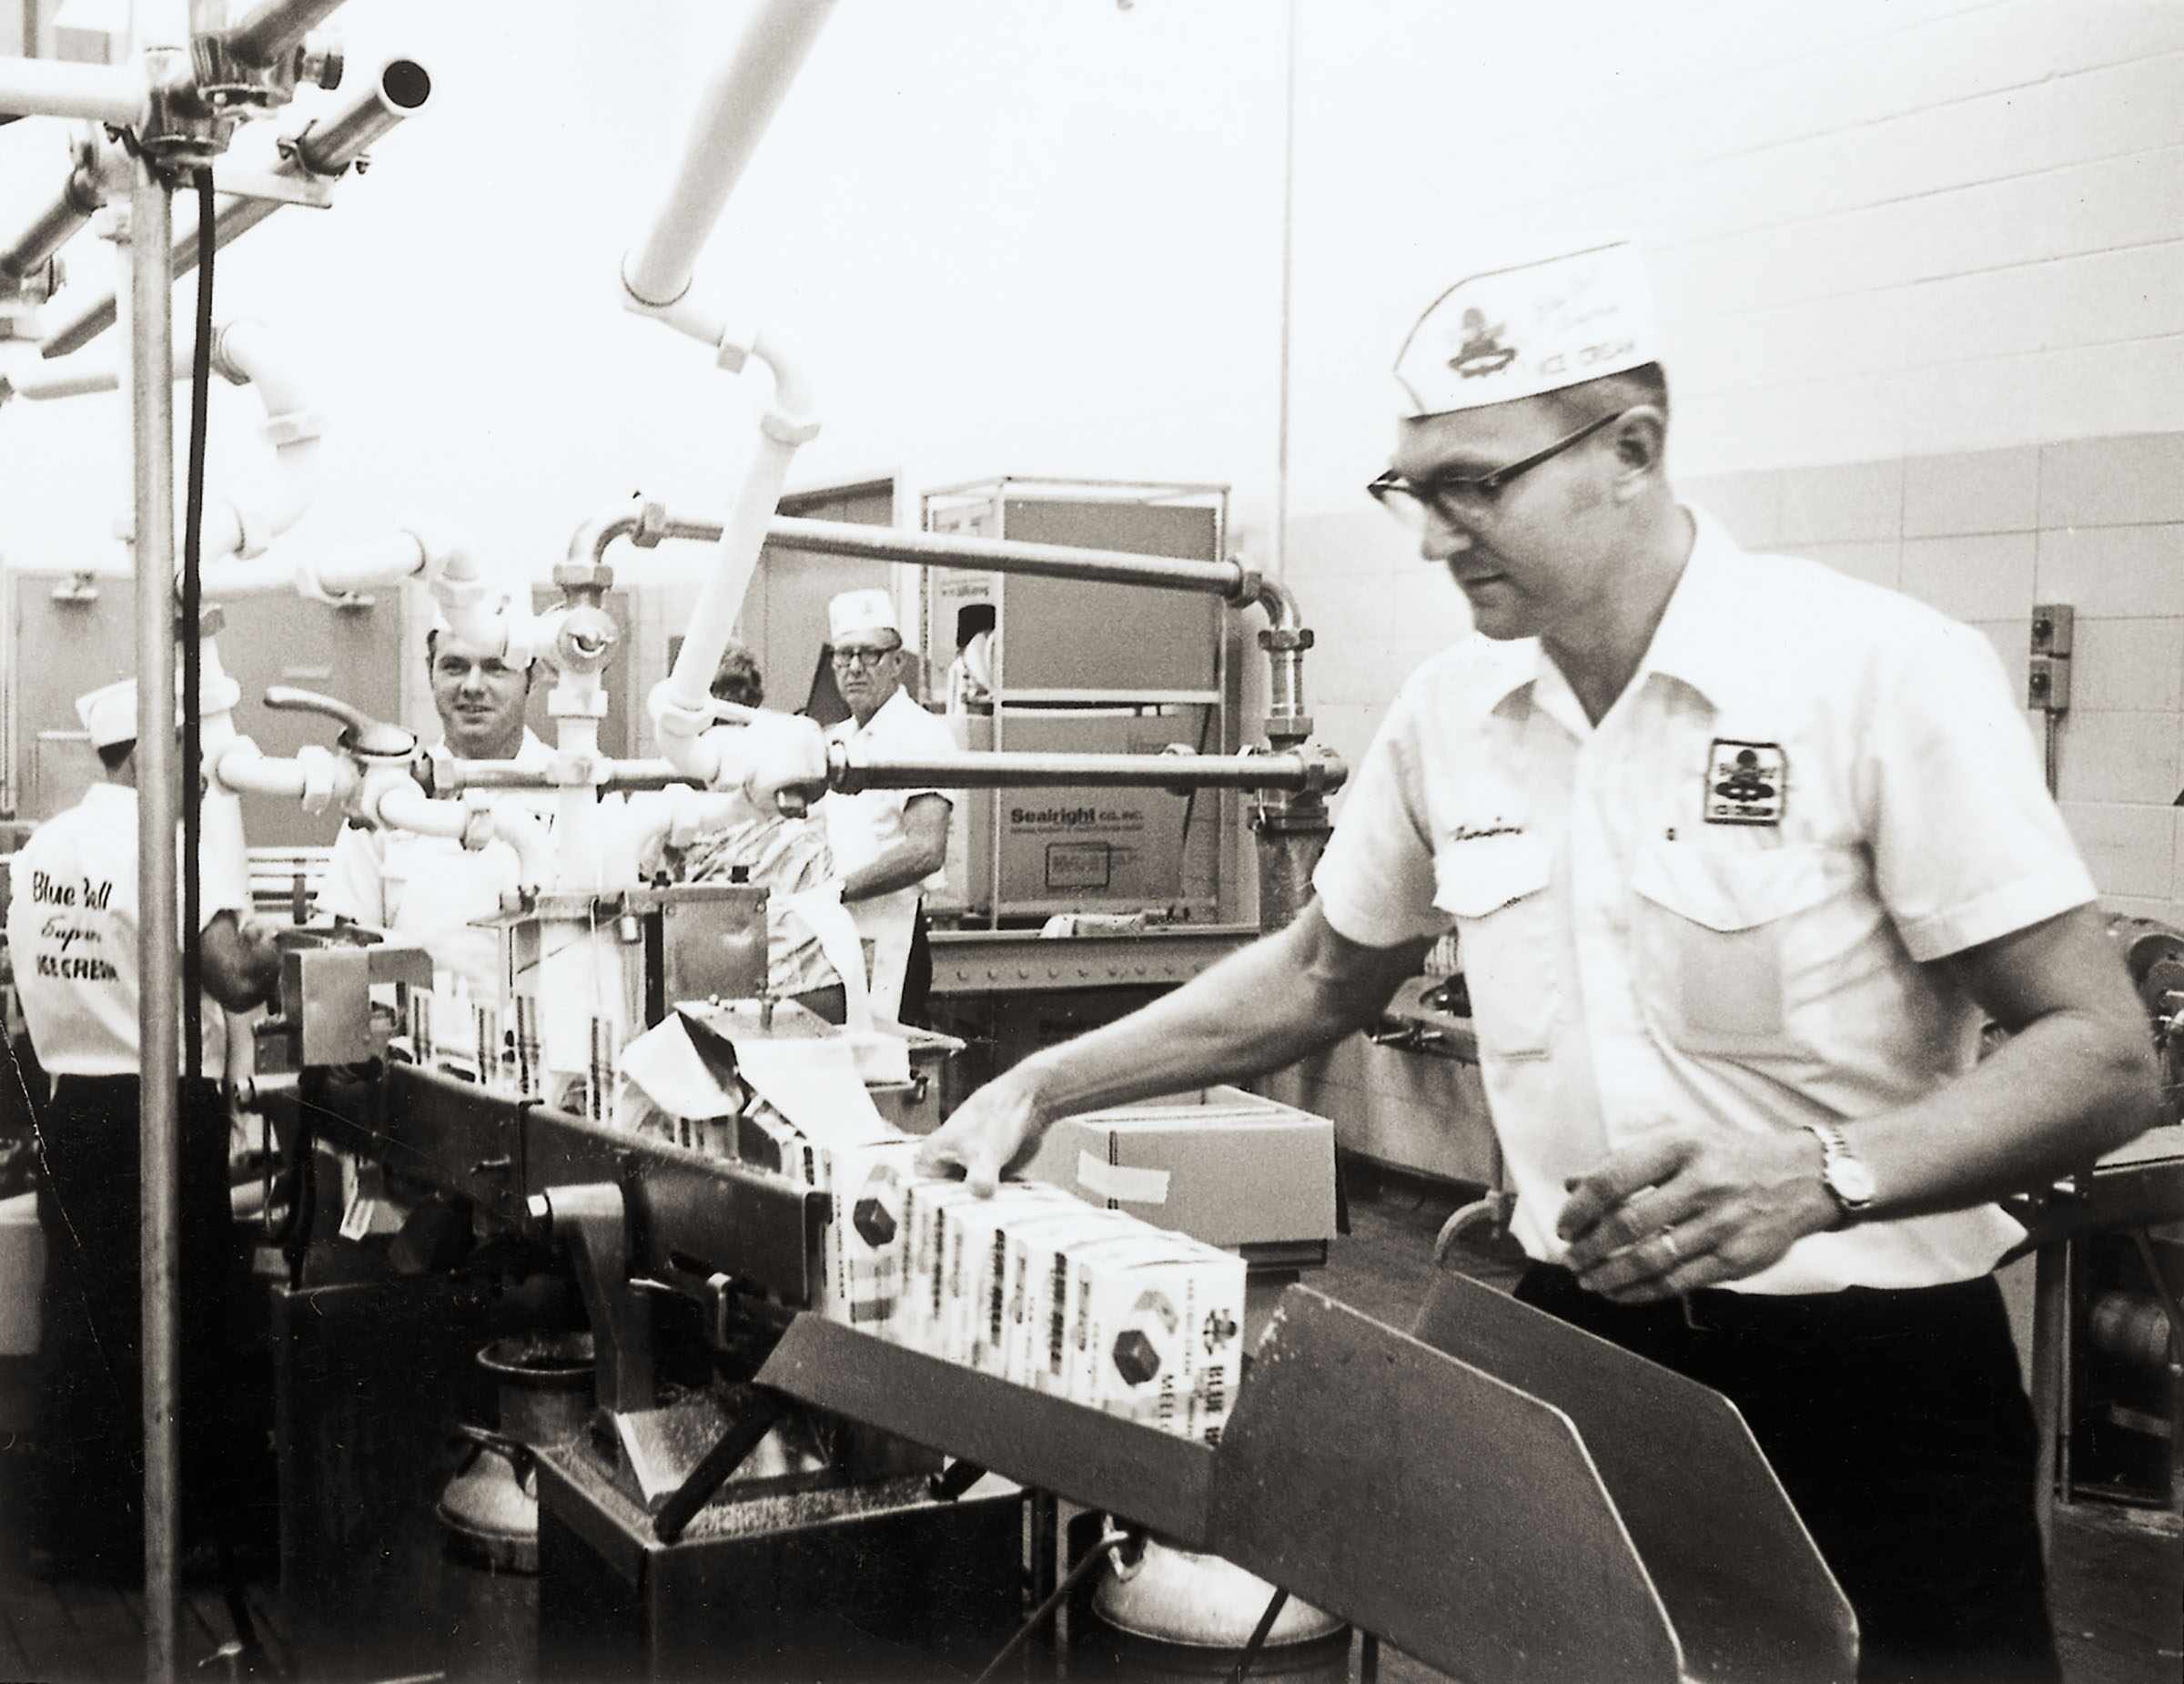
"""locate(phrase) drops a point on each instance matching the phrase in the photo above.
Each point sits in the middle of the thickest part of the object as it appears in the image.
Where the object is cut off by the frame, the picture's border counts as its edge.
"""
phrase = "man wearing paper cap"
(72, 930)
(429, 889)
(1741, 853)
(889, 845)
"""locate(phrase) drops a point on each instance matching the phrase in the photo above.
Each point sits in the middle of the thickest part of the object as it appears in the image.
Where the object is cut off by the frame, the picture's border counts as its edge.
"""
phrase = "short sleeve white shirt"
(72, 930)
(1715, 906)
(430, 889)
(860, 827)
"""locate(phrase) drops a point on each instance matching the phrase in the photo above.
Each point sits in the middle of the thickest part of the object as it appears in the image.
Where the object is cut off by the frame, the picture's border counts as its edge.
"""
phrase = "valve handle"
(360, 732)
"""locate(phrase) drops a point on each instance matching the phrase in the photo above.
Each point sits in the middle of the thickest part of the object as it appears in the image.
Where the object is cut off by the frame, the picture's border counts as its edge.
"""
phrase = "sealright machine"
(762, 1477)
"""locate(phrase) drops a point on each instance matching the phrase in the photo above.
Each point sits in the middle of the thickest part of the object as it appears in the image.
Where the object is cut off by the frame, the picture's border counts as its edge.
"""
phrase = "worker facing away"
(1742, 854)
(889, 846)
(72, 926)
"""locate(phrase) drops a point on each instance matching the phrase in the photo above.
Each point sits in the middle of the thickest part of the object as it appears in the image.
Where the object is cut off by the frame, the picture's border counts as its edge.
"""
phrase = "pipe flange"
(651, 525)
(1251, 585)
(1289, 728)
(584, 575)
(1280, 637)
(296, 427)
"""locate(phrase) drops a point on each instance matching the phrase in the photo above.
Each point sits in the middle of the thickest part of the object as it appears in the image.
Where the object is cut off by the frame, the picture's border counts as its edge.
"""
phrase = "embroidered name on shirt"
(1744, 783)
(1465, 833)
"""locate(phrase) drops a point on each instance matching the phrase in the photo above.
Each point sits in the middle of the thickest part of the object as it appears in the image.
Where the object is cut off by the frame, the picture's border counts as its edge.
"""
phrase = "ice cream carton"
(1037, 1296)
(1163, 1335)
(985, 1228)
(862, 1273)
(923, 1320)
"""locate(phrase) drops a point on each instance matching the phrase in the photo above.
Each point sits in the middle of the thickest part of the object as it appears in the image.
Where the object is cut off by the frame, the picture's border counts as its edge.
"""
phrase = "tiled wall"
(2097, 524)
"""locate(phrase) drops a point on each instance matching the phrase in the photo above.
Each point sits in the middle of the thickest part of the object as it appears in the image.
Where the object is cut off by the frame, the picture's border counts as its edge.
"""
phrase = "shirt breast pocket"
(1496, 887)
(1732, 947)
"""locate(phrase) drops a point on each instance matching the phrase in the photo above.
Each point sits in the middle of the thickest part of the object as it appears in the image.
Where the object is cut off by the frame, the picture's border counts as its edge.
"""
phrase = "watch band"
(1845, 1174)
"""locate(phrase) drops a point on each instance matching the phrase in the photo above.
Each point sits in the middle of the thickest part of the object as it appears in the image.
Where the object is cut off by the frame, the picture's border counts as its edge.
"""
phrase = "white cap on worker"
(109, 714)
(1574, 311)
(855, 613)
(441, 626)
(109, 711)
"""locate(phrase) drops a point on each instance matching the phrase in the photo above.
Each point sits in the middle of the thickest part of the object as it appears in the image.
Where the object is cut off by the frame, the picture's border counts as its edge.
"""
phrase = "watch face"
(1852, 1180)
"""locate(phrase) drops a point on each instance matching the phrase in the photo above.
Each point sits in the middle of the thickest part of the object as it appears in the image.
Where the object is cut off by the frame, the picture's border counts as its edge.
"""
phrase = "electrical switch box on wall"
(2048, 679)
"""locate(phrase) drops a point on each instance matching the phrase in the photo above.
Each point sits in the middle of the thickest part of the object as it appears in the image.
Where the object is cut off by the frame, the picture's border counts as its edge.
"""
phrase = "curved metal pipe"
(325, 149)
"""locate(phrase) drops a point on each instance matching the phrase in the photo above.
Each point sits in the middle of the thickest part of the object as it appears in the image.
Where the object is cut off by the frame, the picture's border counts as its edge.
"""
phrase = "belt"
(115, 1085)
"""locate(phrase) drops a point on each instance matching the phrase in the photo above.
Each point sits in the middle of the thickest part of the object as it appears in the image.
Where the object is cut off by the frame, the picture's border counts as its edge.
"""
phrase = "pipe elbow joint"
(683, 732)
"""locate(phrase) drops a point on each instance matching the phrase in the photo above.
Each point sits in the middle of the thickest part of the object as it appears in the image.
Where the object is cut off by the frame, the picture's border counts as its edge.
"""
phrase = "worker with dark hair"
(788, 857)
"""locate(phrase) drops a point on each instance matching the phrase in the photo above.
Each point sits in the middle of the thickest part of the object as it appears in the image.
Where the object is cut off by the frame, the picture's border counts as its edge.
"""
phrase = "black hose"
(193, 659)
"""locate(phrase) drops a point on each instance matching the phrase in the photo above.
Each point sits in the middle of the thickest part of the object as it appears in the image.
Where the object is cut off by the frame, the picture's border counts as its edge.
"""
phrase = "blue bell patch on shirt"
(1744, 783)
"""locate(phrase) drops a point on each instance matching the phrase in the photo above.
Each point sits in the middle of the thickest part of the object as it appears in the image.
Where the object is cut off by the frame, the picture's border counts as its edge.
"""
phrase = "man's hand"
(995, 1131)
(1678, 1211)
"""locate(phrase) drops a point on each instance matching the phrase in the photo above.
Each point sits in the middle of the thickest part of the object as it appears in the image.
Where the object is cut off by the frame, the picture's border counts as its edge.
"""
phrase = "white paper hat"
(109, 711)
(1534, 325)
(109, 714)
(854, 614)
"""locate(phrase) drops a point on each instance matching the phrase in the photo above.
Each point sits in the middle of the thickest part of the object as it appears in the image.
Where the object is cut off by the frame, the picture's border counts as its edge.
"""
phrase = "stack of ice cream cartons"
(1032, 1285)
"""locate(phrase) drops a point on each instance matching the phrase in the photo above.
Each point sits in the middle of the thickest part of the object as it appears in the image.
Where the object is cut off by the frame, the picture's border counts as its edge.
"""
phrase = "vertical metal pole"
(158, 962)
(1288, 218)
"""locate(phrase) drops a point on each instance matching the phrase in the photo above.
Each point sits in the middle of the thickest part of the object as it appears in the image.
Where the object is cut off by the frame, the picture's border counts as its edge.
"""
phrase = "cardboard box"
(1221, 1165)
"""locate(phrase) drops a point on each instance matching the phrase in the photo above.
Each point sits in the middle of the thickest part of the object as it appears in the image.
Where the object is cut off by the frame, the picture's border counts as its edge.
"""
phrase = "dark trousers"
(917, 976)
(90, 1435)
(1898, 1426)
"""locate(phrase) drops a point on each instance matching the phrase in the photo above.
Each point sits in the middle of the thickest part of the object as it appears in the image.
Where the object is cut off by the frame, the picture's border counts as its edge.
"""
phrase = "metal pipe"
(323, 149)
(1004, 769)
(115, 94)
(158, 1019)
(1053, 560)
(274, 27)
(50, 229)
(739, 104)
(648, 524)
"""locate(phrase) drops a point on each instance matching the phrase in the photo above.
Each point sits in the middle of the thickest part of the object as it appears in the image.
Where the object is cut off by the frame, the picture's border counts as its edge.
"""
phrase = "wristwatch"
(1846, 1175)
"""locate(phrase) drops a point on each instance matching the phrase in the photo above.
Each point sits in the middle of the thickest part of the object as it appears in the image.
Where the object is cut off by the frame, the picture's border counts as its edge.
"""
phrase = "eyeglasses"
(1451, 496)
(847, 658)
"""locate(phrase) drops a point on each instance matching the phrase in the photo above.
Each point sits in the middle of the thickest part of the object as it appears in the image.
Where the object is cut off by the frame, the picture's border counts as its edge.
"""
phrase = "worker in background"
(787, 856)
(1742, 853)
(888, 845)
(429, 889)
(72, 928)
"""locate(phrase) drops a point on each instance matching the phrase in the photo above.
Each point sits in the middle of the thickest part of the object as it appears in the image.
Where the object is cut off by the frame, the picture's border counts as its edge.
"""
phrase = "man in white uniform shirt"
(72, 932)
(1742, 853)
(889, 845)
(429, 889)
